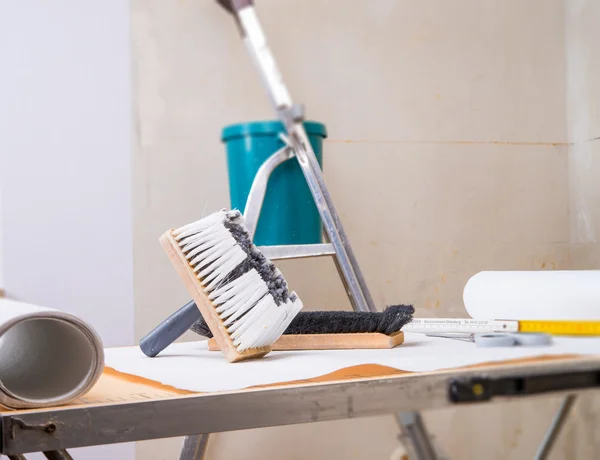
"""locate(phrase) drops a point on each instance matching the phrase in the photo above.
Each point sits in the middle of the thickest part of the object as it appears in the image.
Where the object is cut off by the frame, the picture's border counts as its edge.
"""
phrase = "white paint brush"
(242, 296)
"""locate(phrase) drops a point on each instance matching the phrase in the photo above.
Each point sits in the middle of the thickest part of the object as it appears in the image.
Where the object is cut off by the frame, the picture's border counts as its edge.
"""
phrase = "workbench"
(124, 407)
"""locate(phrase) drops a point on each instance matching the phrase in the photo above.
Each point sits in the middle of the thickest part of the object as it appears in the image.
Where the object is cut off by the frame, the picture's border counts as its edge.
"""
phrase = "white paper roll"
(47, 357)
(531, 295)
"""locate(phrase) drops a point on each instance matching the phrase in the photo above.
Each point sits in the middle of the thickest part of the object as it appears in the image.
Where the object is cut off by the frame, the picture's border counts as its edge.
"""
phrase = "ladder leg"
(346, 262)
(194, 447)
(555, 428)
(61, 454)
(254, 38)
(413, 428)
(336, 230)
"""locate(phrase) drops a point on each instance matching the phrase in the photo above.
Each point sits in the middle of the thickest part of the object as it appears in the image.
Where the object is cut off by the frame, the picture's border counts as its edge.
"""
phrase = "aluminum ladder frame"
(298, 146)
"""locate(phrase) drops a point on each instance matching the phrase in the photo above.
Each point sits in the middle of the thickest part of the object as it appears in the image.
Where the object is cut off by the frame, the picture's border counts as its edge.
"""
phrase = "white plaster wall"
(1, 236)
(65, 140)
(583, 110)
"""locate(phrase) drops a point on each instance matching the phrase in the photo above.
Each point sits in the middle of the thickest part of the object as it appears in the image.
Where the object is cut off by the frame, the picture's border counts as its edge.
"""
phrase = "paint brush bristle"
(247, 291)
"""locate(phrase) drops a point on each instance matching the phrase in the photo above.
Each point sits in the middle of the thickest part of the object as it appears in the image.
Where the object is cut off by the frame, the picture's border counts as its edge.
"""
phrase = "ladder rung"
(297, 251)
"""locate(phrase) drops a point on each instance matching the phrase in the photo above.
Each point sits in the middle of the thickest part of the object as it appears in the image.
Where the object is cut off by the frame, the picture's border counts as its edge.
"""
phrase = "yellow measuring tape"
(469, 325)
(561, 327)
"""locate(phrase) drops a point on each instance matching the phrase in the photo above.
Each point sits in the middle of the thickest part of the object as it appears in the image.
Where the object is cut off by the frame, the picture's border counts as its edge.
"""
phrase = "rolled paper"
(47, 357)
(534, 295)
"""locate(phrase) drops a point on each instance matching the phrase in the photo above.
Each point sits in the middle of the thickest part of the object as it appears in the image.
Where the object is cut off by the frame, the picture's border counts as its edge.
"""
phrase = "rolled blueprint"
(47, 357)
(534, 295)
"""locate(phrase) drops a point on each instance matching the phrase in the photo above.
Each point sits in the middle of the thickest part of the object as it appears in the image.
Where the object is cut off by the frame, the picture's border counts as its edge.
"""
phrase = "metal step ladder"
(337, 246)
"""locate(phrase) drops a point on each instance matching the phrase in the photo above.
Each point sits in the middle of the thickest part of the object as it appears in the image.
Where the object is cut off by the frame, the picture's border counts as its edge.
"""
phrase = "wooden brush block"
(365, 340)
(195, 289)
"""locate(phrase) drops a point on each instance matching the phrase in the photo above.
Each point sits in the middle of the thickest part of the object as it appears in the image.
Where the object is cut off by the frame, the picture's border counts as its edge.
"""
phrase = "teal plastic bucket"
(288, 214)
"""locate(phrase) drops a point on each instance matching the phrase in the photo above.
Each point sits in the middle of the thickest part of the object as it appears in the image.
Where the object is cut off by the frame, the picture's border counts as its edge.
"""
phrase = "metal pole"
(555, 428)
(17, 457)
(194, 447)
(346, 263)
(58, 455)
(412, 427)
(292, 117)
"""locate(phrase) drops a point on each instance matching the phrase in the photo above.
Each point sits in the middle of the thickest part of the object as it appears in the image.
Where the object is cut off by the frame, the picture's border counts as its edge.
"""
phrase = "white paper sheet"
(47, 357)
(190, 366)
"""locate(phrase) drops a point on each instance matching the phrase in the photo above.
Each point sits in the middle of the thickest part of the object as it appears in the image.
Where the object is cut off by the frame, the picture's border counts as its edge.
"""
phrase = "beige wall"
(583, 109)
(468, 114)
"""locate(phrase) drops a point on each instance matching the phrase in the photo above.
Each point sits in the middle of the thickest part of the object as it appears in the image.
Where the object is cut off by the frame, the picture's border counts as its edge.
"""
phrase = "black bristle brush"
(388, 322)
(369, 330)
(329, 330)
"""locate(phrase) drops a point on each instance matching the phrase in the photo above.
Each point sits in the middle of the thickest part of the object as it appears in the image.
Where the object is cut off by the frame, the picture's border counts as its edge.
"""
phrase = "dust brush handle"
(170, 329)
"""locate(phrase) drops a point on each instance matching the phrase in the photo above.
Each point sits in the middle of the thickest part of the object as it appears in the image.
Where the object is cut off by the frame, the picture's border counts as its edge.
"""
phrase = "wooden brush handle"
(366, 340)
(203, 303)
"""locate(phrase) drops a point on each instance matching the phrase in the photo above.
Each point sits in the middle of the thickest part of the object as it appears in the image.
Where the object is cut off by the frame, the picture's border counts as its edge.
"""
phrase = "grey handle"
(170, 329)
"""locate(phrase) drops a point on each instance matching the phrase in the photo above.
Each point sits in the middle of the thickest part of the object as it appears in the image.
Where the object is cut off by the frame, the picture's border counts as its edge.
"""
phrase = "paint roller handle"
(170, 329)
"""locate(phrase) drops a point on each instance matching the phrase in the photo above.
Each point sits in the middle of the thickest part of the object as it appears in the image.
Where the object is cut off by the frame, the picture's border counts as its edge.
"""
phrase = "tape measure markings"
(466, 325)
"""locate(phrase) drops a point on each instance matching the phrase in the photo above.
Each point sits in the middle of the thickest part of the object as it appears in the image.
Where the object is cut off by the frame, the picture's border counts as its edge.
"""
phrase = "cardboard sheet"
(117, 388)
(192, 367)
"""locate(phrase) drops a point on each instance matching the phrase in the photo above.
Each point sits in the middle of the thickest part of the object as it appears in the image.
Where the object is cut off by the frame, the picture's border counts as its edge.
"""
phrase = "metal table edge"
(70, 427)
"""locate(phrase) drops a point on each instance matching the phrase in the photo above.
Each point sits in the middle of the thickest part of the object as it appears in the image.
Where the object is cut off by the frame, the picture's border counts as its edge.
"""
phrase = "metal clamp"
(477, 389)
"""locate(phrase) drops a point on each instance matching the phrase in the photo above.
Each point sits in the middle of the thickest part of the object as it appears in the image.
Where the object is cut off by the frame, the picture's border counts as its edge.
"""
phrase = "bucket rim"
(267, 127)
